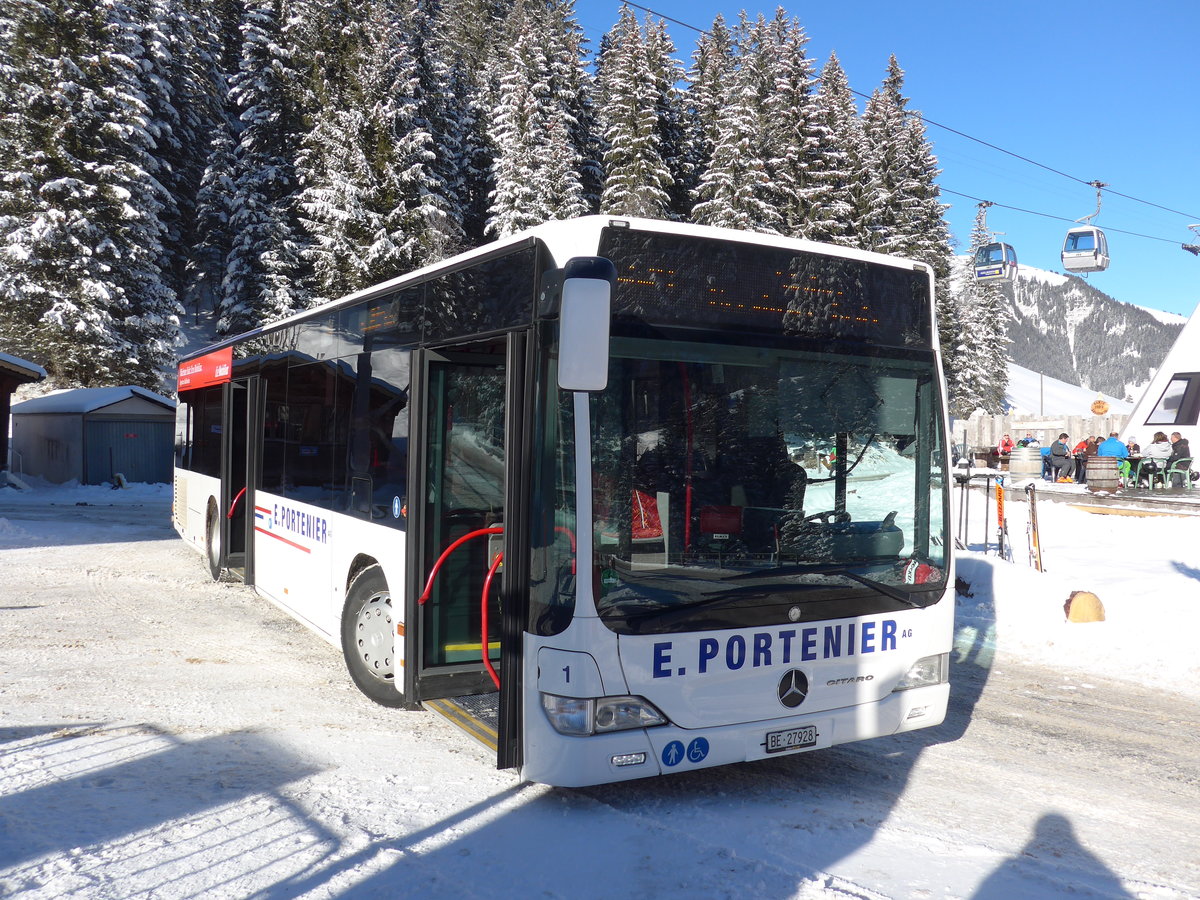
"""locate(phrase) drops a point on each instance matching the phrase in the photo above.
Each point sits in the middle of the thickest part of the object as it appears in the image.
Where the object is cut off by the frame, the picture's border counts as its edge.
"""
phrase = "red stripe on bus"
(285, 540)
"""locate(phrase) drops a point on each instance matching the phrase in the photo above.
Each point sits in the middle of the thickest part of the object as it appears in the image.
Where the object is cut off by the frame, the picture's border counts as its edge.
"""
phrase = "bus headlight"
(924, 672)
(575, 715)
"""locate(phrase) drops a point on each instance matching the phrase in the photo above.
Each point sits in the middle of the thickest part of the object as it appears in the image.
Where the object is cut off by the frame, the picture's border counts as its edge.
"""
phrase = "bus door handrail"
(487, 585)
(483, 620)
(437, 566)
(233, 505)
(483, 601)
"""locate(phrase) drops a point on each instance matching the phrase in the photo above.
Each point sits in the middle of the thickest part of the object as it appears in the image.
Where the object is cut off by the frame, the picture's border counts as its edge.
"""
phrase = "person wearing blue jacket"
(1112, 446)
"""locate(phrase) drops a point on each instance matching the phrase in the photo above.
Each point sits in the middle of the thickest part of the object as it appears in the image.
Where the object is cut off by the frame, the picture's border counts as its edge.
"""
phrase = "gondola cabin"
(1085, 250)
(996, 262)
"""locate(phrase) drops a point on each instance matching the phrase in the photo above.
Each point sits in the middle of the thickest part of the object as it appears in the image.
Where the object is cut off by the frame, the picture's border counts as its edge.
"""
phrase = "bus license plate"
(792, 739)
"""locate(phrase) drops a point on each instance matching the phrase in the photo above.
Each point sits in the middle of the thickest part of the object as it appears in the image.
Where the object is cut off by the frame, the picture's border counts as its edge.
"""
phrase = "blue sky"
(1105, 91)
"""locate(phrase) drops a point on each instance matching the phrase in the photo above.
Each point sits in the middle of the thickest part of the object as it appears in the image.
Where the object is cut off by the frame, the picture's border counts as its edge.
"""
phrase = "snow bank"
(1143, 568)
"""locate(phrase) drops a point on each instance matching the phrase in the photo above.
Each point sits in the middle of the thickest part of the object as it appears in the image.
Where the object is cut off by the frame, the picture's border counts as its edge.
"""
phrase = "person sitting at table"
(1154, 460)
(1134, 448)
(1062, 462)
(1029, 441)
(1112, 446)
(1006, 445)
(1180, 460)
(1082, 457)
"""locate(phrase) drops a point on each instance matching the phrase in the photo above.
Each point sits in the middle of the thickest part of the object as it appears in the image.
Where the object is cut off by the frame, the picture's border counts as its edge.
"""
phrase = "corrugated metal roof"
(86, 400)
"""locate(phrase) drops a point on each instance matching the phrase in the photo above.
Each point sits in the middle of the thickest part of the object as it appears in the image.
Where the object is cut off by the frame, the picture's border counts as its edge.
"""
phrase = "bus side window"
(275, 424)
(183, 432)
(376, 442)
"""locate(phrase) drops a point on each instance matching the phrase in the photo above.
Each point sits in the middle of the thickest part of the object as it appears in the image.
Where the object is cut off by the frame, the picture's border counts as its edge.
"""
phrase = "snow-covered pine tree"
(185, 95)
(735, 189)
(789, 112)
(982, 349)
(885, 187)
(536, 169)
(465, 158)
(472, 30)
(371, 203)
(637, 180)
(675, 131)
(209, 236)
(472, 36)
(833, 161)
(446, 116)
(333, 205)
(925, 232)
(713, 63)
(82, 279)
(205, 267)
(264, 276)
(572, 88)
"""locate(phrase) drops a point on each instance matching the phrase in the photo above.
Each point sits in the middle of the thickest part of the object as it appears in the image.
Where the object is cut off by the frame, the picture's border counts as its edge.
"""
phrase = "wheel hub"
(373, 629)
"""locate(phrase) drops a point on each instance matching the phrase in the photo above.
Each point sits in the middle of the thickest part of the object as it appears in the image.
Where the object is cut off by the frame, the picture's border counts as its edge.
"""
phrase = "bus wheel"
(368, 636)
(212, 541)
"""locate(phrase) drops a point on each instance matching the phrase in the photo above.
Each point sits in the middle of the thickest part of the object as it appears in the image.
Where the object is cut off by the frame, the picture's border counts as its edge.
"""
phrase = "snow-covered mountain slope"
(1063, 327)
(1032, 393)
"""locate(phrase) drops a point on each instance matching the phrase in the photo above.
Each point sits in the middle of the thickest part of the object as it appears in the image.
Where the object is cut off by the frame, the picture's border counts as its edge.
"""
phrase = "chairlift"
(1085, 248)
(996, 261)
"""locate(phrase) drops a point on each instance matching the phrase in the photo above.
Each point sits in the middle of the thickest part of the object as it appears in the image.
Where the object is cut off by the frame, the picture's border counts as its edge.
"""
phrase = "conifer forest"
(165, 162)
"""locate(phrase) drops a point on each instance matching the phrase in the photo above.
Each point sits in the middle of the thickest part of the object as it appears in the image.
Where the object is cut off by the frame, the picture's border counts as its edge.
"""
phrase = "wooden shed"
(94, 434)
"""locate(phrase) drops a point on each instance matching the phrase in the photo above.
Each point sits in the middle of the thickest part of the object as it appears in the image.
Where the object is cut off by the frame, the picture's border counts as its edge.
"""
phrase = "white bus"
(619, 497)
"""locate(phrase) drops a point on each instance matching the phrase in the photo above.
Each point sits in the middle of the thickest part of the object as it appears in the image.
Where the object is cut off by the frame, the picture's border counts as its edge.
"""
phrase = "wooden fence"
(984, 432)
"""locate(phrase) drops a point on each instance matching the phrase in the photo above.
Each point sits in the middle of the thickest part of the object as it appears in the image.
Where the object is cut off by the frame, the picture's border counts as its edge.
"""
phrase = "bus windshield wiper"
(886, 589)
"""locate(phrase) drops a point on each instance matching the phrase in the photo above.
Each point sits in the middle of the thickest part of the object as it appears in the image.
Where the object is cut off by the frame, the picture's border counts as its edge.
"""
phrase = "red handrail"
(445, 553)
(233, 505)
(487, 586)
(483, 617)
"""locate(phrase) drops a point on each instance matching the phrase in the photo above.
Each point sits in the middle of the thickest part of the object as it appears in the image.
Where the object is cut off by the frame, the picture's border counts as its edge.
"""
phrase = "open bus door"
(468, 422)
(241, 461)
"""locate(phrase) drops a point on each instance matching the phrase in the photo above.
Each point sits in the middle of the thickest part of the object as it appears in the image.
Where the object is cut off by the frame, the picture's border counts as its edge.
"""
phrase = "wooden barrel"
(1102, 474)
(1025, 462)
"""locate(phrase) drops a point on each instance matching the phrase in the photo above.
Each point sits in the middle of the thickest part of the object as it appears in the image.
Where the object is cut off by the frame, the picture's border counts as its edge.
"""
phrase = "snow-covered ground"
(164, 736)
(1143, 564)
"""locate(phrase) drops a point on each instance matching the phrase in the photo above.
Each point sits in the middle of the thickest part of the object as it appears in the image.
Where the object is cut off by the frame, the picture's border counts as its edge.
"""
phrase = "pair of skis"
(1031, 528)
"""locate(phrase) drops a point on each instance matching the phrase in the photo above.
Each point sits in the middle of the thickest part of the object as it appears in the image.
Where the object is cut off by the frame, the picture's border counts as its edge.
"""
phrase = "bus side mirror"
(583, 323)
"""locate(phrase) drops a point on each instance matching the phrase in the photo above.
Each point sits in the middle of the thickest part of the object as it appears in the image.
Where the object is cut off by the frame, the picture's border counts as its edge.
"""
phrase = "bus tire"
(368, 637)
(212, 540)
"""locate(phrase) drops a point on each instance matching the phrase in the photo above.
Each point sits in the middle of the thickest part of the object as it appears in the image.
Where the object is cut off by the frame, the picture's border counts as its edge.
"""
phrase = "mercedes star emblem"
(793, 688)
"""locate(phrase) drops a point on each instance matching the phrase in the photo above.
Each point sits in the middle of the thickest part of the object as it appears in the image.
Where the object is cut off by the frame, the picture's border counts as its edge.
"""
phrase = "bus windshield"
(737, 486)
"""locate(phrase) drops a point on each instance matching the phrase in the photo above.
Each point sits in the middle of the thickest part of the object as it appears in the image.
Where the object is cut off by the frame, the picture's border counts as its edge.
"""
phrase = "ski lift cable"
(1033, 212)
(963, 134)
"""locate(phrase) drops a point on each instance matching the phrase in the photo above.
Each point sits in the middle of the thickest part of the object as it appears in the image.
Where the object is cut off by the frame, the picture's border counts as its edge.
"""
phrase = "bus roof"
(563, 238)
